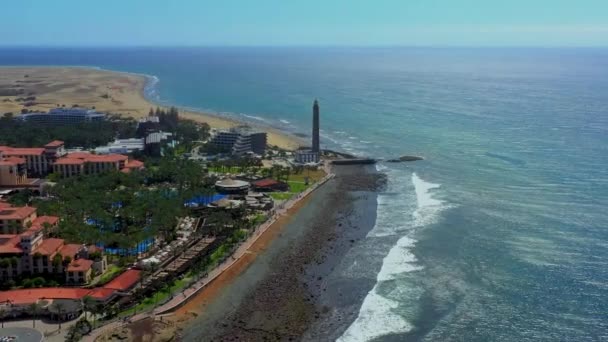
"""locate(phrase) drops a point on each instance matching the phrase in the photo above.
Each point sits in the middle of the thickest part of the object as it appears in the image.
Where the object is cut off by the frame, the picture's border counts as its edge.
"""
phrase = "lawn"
(231, 170)
(297, 186)
(158, 297)
(281, 196)
(313, 176)
(112, 272)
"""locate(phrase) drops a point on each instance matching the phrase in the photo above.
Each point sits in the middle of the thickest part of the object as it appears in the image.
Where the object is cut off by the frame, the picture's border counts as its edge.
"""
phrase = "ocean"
(500, 234)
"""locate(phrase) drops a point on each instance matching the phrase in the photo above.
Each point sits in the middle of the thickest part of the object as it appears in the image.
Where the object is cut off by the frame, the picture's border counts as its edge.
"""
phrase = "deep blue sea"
(501, 234)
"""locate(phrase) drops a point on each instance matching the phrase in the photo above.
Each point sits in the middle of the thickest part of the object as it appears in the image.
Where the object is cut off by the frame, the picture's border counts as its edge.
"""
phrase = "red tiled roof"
(26, 296)
(12, 161)
(54, 143)
(41, 220)
(124, 281)
(266, 182)
(10, 244)
(36, 151)
(70, 250)
(80, 265)
(82, 157)
(4, 205)
(79, 155)
(49, 246)
(69, 161)
(101, 293)
(108, 158)
(16, 213)
(132, 164)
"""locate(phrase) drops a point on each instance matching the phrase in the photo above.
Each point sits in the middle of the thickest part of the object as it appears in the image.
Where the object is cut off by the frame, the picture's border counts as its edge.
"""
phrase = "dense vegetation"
(124, 209)
(92, 134)
(87, 135)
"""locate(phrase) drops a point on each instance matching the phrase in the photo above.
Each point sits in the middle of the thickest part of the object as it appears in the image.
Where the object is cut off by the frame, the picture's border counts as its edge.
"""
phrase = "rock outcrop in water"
(405, 159)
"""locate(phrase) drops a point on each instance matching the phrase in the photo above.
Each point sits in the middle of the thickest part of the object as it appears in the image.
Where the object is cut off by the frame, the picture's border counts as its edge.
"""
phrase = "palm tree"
(3, 313)
(88, 304)
(34, 309)
(60, 307)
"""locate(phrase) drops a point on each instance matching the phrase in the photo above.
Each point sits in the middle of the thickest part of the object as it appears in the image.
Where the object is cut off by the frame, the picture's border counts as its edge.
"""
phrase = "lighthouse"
(315, 127)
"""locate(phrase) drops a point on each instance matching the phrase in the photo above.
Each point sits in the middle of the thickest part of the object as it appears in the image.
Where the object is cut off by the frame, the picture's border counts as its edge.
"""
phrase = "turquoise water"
(500, 234)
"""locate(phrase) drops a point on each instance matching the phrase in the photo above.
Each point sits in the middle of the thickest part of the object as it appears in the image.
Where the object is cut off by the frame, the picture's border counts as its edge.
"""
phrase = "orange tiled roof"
(80, 265)
(26, 296)
(41, 220)
(49, 246)
(78, 155)
(134, 164)
(16, 213)
(54, 143)
(86, 157)
(18, 151)
(70, 250)
(101, 293)
(107, 158)
(12, 161)
(10, 244)
(69, 161)
(124, 281)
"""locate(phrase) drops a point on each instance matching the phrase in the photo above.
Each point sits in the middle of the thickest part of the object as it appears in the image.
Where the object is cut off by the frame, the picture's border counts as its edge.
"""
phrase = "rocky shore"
(285, 294)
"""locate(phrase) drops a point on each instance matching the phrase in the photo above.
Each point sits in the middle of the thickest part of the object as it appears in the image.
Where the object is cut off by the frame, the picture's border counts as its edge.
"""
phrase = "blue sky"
(305, 22)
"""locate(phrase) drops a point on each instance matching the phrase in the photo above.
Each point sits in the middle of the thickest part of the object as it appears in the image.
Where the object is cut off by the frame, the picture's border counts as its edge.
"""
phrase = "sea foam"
(378, 315)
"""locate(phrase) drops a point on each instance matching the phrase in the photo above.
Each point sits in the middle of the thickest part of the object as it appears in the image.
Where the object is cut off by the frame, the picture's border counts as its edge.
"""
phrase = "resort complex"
(97, 224)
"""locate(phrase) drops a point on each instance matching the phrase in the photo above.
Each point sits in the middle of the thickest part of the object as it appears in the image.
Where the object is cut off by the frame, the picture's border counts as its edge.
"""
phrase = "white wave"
(381, 167)
(428, 207)
(352, 138)
(340, 132)
(365, 141)
(253, 117)
(285, 121)
(399, 260)
(376, 317)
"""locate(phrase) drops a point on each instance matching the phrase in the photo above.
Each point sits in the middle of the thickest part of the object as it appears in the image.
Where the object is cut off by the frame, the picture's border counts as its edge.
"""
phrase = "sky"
(304, 22)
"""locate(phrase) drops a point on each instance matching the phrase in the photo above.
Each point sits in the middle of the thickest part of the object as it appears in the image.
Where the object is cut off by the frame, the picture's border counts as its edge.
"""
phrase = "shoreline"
(179, 312)
(288, 289)
(129, 96)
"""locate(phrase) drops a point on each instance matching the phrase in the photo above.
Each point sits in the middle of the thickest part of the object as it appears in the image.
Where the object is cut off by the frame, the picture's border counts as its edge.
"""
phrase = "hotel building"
(25, 250)
(78, 163)
(63, 116)
(38, 160)
(240, 141)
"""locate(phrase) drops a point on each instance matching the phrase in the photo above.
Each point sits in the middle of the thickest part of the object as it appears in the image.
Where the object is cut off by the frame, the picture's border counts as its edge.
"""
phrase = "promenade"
(182, 297)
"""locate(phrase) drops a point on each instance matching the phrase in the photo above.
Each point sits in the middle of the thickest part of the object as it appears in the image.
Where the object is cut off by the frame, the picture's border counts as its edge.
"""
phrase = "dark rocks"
(405, 159)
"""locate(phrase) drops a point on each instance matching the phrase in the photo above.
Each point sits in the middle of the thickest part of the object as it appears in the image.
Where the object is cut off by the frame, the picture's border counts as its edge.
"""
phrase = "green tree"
(88, 305)
(34, 309)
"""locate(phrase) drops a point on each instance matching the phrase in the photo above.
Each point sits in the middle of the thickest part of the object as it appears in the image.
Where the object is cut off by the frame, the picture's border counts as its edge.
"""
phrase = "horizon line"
(185, 46)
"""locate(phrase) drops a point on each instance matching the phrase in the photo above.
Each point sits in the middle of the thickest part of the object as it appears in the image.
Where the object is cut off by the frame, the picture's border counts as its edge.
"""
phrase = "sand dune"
(107, 91)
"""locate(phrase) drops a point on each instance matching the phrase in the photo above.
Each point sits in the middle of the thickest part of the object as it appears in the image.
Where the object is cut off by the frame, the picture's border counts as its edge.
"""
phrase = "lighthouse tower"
(315, 127)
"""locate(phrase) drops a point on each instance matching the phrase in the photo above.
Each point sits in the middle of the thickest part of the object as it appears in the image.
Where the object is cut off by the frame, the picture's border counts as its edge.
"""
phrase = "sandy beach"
(107, 91)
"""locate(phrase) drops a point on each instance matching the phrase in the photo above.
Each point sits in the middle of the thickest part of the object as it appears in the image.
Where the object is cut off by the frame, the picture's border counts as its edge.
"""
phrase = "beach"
(288, 292)
(106, 91)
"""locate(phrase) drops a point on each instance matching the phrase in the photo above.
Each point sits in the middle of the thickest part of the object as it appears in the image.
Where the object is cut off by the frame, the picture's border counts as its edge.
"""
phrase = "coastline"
(127, 91)
(286, 289)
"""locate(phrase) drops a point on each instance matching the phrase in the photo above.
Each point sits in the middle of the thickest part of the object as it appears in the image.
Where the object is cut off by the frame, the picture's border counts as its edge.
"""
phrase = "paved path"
(182, 297)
